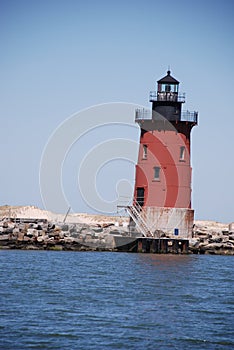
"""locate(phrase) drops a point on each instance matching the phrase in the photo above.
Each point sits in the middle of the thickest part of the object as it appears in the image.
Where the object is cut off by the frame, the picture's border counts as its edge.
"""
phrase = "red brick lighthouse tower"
(162, 197)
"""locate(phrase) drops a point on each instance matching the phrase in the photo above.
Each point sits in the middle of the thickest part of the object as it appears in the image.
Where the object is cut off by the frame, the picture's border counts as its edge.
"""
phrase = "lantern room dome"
(168, 79)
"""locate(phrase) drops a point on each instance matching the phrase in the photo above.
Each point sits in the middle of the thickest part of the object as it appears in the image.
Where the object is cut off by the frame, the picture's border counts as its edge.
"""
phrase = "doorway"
(140, 196)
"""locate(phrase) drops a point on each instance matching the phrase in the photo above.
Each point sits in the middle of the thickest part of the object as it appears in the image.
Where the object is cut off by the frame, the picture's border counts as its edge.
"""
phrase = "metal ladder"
(135, 212)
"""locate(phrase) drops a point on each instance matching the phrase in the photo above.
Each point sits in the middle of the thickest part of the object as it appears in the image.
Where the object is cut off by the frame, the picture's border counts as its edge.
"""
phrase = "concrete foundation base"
(167, 221)
(153, 245)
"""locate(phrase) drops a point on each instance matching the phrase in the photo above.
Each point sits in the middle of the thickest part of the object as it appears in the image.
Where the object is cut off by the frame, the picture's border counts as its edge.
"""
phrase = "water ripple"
(91, 300)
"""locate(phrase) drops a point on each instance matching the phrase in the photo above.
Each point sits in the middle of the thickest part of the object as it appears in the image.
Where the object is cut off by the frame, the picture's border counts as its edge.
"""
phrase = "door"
(140, 196)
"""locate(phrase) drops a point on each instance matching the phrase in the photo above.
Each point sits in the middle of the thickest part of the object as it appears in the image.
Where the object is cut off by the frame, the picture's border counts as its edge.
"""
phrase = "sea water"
(104, 300)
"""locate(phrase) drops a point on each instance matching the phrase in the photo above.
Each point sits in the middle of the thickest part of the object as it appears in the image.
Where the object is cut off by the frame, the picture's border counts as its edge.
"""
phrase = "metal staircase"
(135, 212)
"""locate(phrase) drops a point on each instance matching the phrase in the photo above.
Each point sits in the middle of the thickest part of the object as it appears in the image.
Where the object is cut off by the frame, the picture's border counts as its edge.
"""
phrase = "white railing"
(142, 113)
(167, 96)
(186, 116)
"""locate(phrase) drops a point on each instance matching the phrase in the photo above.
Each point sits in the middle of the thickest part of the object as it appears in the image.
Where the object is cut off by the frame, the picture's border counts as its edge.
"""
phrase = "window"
(182, 152)
(145, 149)
(156, 173)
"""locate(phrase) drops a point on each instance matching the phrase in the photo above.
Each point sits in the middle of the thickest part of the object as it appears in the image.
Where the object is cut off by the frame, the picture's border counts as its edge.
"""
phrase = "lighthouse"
(162, 194)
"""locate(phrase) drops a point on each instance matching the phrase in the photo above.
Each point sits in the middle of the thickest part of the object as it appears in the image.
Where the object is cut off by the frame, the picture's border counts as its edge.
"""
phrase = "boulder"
(8, 230)
(228, 245)
(200, 233)
(52, 234)
(82, 236)
(31, 247)
(114, 232)
(20, 236)
(84, 229)
(31, 232)
(16, 230)
(4, 237)
(72, 229)
(194, 242)
(102, 241)
(215, 240)
(109, 241)
(68, 239)
(66, 233)
(211, 248)
(11, 224)
(40, 239)
(5, 224)
(65, 227)
(97, 230)
(61, 234)
(74, 235)
(42, 233)
(88, 236)
(107, 225)
(51, 226)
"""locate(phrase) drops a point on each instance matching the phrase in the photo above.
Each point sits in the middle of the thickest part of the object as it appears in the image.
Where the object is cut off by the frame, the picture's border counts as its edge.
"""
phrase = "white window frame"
(157, 170)
(182, 153)
(145, 152)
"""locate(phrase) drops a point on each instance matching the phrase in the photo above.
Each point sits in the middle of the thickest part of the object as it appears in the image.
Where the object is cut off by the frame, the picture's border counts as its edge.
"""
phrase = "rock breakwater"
(211, 237)
(58, 236)
(29, 227)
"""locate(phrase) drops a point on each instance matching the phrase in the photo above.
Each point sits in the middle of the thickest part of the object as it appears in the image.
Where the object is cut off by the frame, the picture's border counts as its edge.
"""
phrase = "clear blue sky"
(58, 57)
